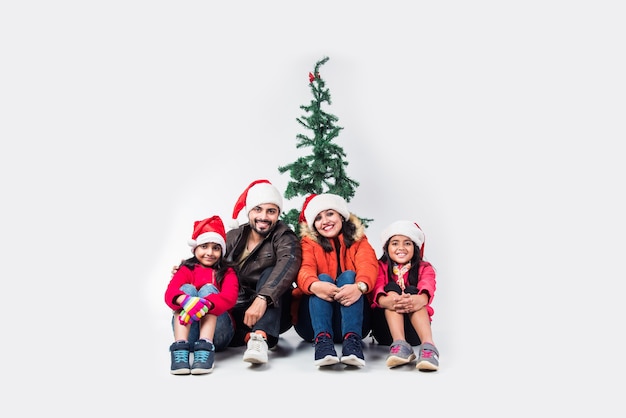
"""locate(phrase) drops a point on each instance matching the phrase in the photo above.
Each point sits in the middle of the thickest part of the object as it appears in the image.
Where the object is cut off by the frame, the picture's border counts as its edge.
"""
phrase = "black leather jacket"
(280, 249)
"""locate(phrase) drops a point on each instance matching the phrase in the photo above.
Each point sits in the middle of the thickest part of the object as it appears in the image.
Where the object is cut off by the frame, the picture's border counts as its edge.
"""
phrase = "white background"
(497, 126)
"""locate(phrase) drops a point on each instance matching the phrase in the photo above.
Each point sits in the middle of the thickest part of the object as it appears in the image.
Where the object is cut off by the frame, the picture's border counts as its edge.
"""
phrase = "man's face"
(263, 218)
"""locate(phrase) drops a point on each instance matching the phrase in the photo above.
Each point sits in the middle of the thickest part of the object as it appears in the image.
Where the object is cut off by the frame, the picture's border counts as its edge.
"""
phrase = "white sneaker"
(257, 349)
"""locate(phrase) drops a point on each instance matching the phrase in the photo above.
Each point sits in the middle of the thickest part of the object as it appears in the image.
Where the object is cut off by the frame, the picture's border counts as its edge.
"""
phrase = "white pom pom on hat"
(257, 193)
(316, 203)
(208, 230)
(408, 229)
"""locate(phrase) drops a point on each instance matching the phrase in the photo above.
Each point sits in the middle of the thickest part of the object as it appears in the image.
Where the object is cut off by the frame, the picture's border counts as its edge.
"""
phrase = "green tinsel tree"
(324, 170)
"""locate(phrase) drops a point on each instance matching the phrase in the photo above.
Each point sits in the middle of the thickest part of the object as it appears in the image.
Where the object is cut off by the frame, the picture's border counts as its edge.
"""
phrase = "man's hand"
(175, 268)
(255, 312)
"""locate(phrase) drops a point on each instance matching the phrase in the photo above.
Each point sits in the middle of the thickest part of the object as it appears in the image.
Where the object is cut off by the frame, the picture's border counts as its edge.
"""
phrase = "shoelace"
(256, 344)
(325, 344)
(352, 344)
(201, 355)
(181, 356)
(426, 353)
(322, 338)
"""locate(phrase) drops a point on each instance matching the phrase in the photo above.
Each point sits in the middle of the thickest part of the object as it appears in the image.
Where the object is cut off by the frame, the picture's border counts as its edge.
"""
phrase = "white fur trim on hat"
(208, 230)
(324, 202)
(406, 228)
(263, 193)
(259, 192)
(206, 238)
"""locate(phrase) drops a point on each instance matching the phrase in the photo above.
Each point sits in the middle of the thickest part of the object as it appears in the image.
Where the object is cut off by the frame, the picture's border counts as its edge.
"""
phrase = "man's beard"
(264, 232)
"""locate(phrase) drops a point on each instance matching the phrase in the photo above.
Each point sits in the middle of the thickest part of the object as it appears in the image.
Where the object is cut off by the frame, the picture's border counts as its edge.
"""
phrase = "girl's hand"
(412, 303)
(403, 303)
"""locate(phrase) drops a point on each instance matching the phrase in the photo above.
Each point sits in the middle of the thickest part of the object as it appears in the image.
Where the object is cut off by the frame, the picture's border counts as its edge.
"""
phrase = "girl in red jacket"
(339, 267)
(402, 298)
(201, 292)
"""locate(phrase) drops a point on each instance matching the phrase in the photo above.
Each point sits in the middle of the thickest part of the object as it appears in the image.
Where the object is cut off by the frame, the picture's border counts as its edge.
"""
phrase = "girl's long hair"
(415, 263)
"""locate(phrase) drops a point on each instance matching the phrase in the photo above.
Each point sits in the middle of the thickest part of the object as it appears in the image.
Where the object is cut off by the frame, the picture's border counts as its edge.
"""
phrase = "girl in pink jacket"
(402, 297)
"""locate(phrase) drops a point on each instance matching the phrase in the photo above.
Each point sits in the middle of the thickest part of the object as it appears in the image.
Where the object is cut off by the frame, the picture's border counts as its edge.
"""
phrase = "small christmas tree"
(323, 171)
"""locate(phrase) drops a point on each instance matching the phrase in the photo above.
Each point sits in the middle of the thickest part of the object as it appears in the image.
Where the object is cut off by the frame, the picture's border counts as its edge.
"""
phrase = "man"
(266, 255)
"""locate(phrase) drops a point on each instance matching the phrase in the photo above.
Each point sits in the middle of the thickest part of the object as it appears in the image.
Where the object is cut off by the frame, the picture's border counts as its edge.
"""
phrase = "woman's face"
(328, 223)
(400, 249)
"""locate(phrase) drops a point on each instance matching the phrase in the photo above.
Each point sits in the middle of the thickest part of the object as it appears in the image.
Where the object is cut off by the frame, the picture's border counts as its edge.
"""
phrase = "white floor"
(293, 354)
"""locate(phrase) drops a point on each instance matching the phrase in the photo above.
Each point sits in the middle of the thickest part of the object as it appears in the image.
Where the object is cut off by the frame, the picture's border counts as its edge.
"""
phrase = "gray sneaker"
(428, 360)
(400, 353)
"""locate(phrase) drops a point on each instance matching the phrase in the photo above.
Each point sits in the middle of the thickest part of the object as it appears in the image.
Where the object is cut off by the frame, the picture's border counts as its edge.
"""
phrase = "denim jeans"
(316, 315)
(224, 330)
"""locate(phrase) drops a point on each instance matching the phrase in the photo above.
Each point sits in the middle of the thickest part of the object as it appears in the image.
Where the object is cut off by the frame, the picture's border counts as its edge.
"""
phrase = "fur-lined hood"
(305, 231)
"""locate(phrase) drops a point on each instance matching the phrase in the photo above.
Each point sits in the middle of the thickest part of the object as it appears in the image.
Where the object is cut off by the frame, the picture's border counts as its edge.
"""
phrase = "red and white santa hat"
(408, 229)
(316, 203)
(257, 193)
(208, 230)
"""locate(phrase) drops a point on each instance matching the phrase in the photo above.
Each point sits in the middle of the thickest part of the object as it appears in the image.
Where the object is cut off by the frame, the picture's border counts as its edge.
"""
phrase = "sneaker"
(203, 357)
(257, 349)
(179, 351)
(400, 353)
(325, 354)
(352, 353)
(428, 360)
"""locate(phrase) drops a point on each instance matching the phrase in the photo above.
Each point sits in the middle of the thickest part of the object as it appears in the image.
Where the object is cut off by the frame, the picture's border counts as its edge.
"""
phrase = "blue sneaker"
(352, 353)
(203, 357)
(428, 360)
(325, 354)
(179, 351)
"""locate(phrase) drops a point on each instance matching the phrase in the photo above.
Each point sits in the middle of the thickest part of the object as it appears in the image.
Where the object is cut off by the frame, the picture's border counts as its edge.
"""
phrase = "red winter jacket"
(198, 277)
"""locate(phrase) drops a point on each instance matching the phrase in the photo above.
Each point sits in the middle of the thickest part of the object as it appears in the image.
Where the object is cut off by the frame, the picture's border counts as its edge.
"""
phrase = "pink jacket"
(426, 281)
(198, 277)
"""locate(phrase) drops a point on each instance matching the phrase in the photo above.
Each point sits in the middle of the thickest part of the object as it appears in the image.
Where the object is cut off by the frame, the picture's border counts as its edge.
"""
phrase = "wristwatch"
(362, 287)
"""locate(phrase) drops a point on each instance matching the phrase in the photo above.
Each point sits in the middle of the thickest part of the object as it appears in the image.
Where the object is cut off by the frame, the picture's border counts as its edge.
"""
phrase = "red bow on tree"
(311, 77)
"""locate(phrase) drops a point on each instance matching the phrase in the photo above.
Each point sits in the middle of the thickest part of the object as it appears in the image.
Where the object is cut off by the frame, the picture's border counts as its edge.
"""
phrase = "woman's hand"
(324, 290)
(348, 294)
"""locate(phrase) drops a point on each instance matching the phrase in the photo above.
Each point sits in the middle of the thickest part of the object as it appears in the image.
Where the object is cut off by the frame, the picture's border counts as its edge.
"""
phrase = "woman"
(339, 266)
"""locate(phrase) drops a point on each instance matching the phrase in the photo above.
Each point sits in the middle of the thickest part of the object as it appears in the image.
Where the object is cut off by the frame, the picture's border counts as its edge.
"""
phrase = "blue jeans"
(224, 330)
(316, 315)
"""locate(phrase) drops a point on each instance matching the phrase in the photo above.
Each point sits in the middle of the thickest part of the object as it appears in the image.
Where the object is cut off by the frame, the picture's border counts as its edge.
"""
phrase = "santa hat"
(257, 193)
(316, 203)
(208, 230)
(408, 229)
